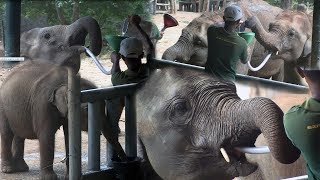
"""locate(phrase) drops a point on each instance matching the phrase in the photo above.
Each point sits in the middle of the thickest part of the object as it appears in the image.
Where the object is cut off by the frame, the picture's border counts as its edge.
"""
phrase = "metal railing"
(95, 115)
(240, 78)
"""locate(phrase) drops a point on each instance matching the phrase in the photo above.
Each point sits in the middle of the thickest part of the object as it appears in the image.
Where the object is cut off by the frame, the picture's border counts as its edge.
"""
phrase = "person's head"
(131, 50)
(232, 16)
(312, 77)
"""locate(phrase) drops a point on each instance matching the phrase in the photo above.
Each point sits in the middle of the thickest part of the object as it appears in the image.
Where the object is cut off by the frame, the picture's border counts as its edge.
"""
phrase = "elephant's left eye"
(47, 36)
(291, 32)
(180, 111)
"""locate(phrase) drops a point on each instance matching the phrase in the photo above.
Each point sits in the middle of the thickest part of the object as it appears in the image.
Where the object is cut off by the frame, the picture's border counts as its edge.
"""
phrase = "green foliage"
(109, 13)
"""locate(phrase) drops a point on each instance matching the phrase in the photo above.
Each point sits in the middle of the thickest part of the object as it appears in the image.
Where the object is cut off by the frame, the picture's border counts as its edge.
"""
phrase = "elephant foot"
(7, 167)
(21, 166)
(14, 166)
(66, 176)
(48, 175)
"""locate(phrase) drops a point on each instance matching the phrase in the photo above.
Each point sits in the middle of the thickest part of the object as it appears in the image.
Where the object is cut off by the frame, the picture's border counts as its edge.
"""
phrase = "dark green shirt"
(302, 125)
(128, 76)
(224, 50)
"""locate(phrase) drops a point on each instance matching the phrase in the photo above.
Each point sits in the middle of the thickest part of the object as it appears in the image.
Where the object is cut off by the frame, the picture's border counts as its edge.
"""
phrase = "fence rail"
(240, 78)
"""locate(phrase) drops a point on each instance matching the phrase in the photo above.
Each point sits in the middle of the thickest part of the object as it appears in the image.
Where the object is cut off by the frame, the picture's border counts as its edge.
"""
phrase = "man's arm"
(115, 58)
(244, 56)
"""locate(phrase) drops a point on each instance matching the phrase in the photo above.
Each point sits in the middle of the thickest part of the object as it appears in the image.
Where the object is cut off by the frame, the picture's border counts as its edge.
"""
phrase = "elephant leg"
(7, 164)
(280, 75)
(46, 142)
(18, 151)
(66, 144)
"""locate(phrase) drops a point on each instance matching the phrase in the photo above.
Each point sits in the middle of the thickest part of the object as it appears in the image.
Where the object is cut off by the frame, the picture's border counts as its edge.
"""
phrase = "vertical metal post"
(12, 29)
(74, 125)
(94, 129)
(131, 126)
(315, 56)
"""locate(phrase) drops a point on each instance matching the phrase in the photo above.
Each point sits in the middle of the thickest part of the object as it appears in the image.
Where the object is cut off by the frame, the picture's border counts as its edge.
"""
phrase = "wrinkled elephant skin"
(193, 115)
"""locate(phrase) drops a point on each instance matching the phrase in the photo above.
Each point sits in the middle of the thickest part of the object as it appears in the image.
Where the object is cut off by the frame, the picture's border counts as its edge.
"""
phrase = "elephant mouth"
(232, 155)
(235, 157)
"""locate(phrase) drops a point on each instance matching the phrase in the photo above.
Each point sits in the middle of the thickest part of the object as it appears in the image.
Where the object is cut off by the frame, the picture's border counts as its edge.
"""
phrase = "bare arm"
(115, 58)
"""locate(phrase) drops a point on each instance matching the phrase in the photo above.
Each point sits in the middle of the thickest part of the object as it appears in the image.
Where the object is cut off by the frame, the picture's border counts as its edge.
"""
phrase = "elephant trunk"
(269, 40)
(181, 50)
(78, 31)
(269, 119)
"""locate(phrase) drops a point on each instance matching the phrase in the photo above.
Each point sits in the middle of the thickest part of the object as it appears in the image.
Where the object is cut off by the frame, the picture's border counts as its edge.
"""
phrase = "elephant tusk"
(97, 62)
(261, 65)
(277, 52)
(224, 154)
(254, 150)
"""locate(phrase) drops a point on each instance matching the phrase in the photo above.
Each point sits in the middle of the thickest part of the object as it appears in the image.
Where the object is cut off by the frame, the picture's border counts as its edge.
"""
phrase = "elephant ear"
(59, 99)
(307, 48)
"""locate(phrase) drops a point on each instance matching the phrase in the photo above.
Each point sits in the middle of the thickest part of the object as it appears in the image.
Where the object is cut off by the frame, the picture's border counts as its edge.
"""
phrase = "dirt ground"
(91, 72)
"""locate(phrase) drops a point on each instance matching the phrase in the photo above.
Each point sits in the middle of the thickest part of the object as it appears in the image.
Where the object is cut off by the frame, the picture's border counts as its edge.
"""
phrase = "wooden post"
(74, 125)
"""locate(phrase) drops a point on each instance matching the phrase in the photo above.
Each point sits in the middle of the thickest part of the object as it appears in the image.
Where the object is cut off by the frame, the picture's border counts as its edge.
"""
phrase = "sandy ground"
(91, 72)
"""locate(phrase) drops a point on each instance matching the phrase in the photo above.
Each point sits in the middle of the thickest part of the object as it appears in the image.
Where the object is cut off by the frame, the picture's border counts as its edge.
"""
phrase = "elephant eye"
(47, 36)
(198, 42)
(180, 111)
(291, 32)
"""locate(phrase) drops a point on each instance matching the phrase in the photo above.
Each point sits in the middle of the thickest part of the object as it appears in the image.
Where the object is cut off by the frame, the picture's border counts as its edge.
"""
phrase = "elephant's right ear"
(59, 99)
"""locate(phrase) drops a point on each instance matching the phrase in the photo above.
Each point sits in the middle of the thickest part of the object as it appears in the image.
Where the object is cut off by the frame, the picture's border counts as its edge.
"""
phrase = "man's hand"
(115, 57)
(135, 19)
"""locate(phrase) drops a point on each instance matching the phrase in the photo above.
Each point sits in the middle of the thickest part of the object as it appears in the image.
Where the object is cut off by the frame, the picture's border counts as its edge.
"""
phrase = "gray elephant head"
(290, 34)
(61, 44)
(192, 45)
(192, 115)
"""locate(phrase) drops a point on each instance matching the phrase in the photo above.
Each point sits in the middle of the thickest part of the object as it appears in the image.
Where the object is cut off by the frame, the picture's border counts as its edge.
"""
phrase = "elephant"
(290, 34)
(150, 28)
(191, 115)
(33, 105)
(191, 47)
(61, 43)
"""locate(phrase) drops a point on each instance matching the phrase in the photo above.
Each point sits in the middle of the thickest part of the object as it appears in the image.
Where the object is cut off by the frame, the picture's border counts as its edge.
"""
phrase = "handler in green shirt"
(131, 51)
(225, 46)
(302, 124)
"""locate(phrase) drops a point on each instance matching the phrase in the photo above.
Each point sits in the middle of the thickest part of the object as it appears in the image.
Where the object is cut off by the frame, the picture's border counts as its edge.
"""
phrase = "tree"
(286, 4)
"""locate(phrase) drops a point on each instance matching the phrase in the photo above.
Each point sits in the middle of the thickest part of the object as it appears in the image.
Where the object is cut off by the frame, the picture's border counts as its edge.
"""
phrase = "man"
(302, 124)
(225, 46)
(131, 51)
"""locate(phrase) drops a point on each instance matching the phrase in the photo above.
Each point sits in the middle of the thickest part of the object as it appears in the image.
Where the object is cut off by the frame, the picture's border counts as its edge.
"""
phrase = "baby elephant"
(33, 105)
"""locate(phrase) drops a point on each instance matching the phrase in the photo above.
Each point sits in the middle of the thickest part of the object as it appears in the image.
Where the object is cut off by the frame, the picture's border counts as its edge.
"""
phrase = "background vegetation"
(110, 14)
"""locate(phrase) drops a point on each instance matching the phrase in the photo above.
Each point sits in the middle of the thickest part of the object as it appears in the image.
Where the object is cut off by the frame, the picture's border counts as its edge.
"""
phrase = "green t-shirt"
(302, 125)
(128, 76)
(224, 50)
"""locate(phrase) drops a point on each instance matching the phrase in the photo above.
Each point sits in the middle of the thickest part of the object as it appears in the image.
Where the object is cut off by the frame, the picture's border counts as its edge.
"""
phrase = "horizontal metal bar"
(242, 79)
(92, 95)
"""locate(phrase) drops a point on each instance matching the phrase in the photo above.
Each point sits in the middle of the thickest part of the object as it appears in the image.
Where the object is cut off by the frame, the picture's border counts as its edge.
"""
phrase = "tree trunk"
(205, 7)
(75, 11)
(286, 4)
(61, 17)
